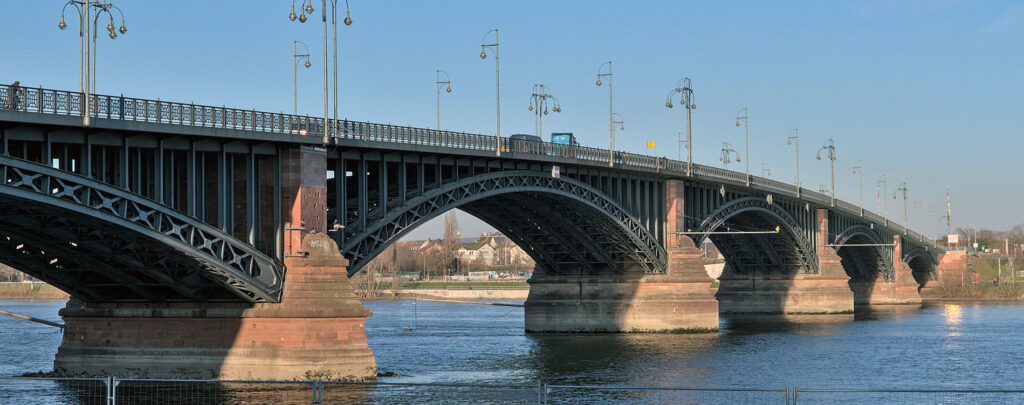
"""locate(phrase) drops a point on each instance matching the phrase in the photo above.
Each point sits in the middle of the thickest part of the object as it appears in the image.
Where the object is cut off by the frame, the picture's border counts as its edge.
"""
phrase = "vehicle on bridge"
(563, 138)
(524, 143)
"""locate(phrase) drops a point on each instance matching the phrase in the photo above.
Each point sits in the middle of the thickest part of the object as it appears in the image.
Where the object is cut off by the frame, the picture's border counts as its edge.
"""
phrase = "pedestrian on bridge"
(14, 95)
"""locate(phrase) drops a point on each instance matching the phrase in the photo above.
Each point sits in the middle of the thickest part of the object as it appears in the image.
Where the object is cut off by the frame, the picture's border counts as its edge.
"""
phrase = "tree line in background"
(992, 239)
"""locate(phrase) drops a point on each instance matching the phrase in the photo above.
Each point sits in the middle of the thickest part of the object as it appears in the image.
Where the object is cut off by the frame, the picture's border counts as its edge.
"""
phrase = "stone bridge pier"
(824, 292)
(316, 331)
(901, 290)
(678, 301)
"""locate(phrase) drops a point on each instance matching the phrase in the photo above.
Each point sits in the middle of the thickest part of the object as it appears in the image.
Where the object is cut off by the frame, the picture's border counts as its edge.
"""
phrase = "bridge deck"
(65, 108)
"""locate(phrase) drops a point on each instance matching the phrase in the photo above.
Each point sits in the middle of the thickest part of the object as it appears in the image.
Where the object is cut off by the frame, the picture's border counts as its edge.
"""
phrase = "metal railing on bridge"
(70, 103)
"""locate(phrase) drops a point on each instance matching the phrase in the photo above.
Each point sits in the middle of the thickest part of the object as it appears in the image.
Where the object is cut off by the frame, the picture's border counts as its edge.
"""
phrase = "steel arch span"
(921, 261)
(790, 249)
(103, 244)
(560, 220)
(860, 257)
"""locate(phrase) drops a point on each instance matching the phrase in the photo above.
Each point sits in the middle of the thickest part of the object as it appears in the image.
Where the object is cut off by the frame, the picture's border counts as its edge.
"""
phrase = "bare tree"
(451, 238)
(375, 275)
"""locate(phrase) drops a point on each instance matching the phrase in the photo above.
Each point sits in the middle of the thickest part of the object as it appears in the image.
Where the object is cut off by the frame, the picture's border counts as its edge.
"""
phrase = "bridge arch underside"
(922, 266)
(779, 255)
(97, 260)
(866, 264)
(564, 225)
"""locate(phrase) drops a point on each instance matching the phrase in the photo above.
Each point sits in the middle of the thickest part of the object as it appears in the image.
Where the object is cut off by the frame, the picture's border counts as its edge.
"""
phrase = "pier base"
(678, 301)
(823, 293)
(317, 331)
(902, 291)
(826, 292)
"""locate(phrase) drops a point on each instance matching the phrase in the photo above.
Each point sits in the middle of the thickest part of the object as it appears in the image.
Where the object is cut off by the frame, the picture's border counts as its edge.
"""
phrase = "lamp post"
(743, 114)
(611, 113)
(685, 89)
(306, 7)
(447, 84)
(484, 46)
(903, 188)
(296, 57)
(881, 186)
(727, 152)
(87, 20)
(830, 147)
(539, 106)
(620, 122)
(795, 140)
(766, 171)
(920, 217)
(858, 168)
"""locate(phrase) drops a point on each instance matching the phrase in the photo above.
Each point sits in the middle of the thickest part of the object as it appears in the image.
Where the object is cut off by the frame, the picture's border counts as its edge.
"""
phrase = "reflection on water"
(897, 347)
(953, 314)
(928, 347)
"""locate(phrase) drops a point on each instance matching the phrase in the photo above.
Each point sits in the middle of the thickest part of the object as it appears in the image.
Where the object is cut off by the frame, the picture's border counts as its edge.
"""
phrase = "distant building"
(475, 251)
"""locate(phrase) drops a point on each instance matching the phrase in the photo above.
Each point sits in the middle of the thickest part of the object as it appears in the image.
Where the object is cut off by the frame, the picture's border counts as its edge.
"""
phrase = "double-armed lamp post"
(306, 7)
(830, 149)
(858, 168)
(903, 188)
(743, 114)
(89, 13)
(882, 190)
(795, 140)
(539, 106)
(685, 90)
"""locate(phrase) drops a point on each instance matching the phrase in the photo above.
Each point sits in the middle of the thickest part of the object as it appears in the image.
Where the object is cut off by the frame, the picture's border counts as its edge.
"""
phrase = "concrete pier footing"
(317, 331)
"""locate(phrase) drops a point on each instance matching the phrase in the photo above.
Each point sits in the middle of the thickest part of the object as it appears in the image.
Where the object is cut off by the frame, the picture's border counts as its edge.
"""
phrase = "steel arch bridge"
(161, 201)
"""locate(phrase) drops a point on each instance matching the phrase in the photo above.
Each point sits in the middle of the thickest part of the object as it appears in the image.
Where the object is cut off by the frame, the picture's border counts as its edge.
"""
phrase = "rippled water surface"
(948, 346)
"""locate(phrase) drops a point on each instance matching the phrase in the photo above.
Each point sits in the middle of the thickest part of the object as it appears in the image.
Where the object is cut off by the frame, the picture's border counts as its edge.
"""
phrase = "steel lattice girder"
(365, 245)
(883, 263)
(795, 235)
(156, 234)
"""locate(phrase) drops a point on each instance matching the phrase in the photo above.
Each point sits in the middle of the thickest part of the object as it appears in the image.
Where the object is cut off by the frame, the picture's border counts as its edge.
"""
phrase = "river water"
(947, 346)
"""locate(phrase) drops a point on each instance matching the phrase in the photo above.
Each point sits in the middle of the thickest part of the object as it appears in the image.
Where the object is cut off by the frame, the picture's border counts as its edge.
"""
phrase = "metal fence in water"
(907, 397)
(116, 391)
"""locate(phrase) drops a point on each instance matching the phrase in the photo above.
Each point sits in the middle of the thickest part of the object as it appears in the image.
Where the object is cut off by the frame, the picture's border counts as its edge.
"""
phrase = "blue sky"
(927, 92)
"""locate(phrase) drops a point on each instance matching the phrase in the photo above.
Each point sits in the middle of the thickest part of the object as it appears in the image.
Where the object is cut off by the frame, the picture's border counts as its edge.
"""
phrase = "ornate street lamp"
(296, 58)
(743, 114)
(306, 7)
(766, 171)
(830, 148)
(795, 140)
(685, 90)
(88, 17)
(447, 85)
(539, 106)
(881, 186)
(858, 168)
(611, 113)
(484, 46)
(727, 153)
(903, 188)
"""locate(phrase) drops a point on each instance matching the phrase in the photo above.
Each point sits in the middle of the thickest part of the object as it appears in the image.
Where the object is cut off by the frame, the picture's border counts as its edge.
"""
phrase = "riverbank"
(30, 290)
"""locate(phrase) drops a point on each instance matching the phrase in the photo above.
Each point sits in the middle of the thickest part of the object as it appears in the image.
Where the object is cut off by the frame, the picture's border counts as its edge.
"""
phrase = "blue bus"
(563, 138)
